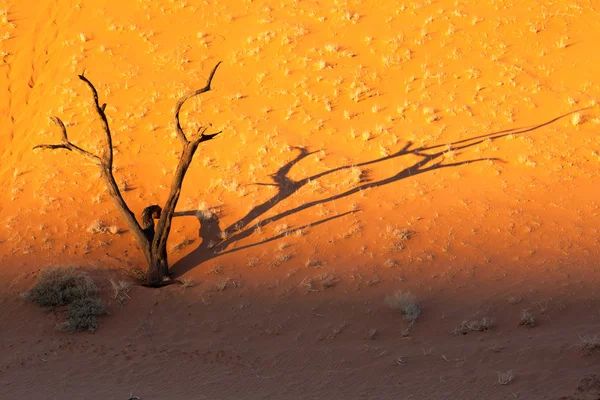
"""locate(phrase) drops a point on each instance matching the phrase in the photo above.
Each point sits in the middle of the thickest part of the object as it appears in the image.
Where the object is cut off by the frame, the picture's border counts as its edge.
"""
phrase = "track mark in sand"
(22, 64)
(26, 62)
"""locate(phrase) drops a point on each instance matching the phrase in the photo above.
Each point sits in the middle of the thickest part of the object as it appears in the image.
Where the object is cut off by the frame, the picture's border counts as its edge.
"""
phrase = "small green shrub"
(58, 286)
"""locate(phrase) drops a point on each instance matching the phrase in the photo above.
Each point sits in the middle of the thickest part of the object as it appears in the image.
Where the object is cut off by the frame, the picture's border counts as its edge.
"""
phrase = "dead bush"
(58, 286)
(83, 315)
(406, 303)
(527, 319)
(589, 344)
(61, 286)
(483, 324)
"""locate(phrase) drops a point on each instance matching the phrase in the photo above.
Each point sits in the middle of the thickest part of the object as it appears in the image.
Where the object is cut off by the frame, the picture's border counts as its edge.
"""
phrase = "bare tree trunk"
(152, 239)
(158, 268)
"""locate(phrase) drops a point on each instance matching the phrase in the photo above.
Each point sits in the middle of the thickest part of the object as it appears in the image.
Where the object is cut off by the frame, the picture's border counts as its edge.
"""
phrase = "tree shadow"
(216, 242)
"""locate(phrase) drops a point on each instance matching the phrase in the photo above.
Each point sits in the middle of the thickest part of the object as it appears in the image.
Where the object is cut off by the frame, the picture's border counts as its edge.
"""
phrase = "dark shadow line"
(284, 234)
(215, 241)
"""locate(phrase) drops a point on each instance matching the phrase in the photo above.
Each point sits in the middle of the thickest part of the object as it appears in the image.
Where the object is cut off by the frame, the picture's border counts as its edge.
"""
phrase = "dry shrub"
(60, 286)
(483, 324)
(120, 291)
(589, 344)
(406, 303)
(527, 319)
(83, 315)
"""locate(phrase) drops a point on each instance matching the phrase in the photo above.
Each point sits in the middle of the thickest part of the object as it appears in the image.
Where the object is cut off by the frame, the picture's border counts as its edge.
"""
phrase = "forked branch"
(202, 137)
(104, 163)
(67, 145)
(163, 226)
(180, 134)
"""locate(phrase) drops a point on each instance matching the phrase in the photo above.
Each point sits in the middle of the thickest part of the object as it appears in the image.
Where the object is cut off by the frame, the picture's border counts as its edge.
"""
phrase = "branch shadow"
(216, 242)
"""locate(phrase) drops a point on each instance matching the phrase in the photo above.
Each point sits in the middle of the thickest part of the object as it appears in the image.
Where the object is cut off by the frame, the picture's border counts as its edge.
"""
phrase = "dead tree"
(151, 237)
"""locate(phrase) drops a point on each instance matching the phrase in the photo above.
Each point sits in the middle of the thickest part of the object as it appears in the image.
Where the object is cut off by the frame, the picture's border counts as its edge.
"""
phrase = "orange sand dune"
(446, 148)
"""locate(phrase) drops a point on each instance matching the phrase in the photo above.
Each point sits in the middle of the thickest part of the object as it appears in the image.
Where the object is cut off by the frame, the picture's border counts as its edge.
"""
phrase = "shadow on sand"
(213, 245)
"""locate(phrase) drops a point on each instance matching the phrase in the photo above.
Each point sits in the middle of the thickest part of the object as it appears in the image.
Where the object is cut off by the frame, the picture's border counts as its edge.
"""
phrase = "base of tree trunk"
(158, 272)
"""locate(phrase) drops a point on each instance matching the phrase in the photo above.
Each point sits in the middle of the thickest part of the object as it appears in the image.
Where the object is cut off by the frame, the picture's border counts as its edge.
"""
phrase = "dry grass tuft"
(589, 344)
(484, 324)
(120, 291)
(406, 303)
(187, 282)
(527, 319)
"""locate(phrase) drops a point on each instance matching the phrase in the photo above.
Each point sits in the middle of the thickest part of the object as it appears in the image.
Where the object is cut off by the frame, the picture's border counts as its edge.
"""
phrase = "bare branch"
(204, 138)
(68, 145)
(105, 164)
(108, 154)
(62, 127)
(182, 138)
(52, 146)
(201, 137)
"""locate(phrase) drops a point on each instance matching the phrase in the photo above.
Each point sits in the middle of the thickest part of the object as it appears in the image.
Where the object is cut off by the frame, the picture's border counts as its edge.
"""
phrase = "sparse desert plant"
(328, 281)
(187, 282)
(83, 315)
(406, 303)
(151, 237)
(120, 290)
(70, 286)
(527, 319)
(312, 263)
(483, 324)
(402, 234)
(204, 213)
(589, 344)
(252, 262)
(279, 229)
(58, 286)
(577, 119)
(97, 227)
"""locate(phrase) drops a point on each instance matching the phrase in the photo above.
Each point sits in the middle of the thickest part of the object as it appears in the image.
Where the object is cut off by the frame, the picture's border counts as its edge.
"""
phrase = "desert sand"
(445, 148)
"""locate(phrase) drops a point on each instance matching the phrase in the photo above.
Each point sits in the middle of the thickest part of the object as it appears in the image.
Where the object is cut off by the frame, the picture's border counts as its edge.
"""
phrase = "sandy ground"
(446, 148)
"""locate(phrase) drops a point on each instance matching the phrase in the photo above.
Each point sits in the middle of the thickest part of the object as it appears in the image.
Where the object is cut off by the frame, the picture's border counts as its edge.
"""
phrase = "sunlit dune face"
(471, 125)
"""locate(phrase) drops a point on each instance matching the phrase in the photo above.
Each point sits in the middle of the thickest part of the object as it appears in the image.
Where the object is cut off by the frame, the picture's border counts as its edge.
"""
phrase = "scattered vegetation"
(83, 315)
(527, 319)
(120, 290)
(406, 303)
(61, 286)
(187, 282)
(589, 344)
(483, 324)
